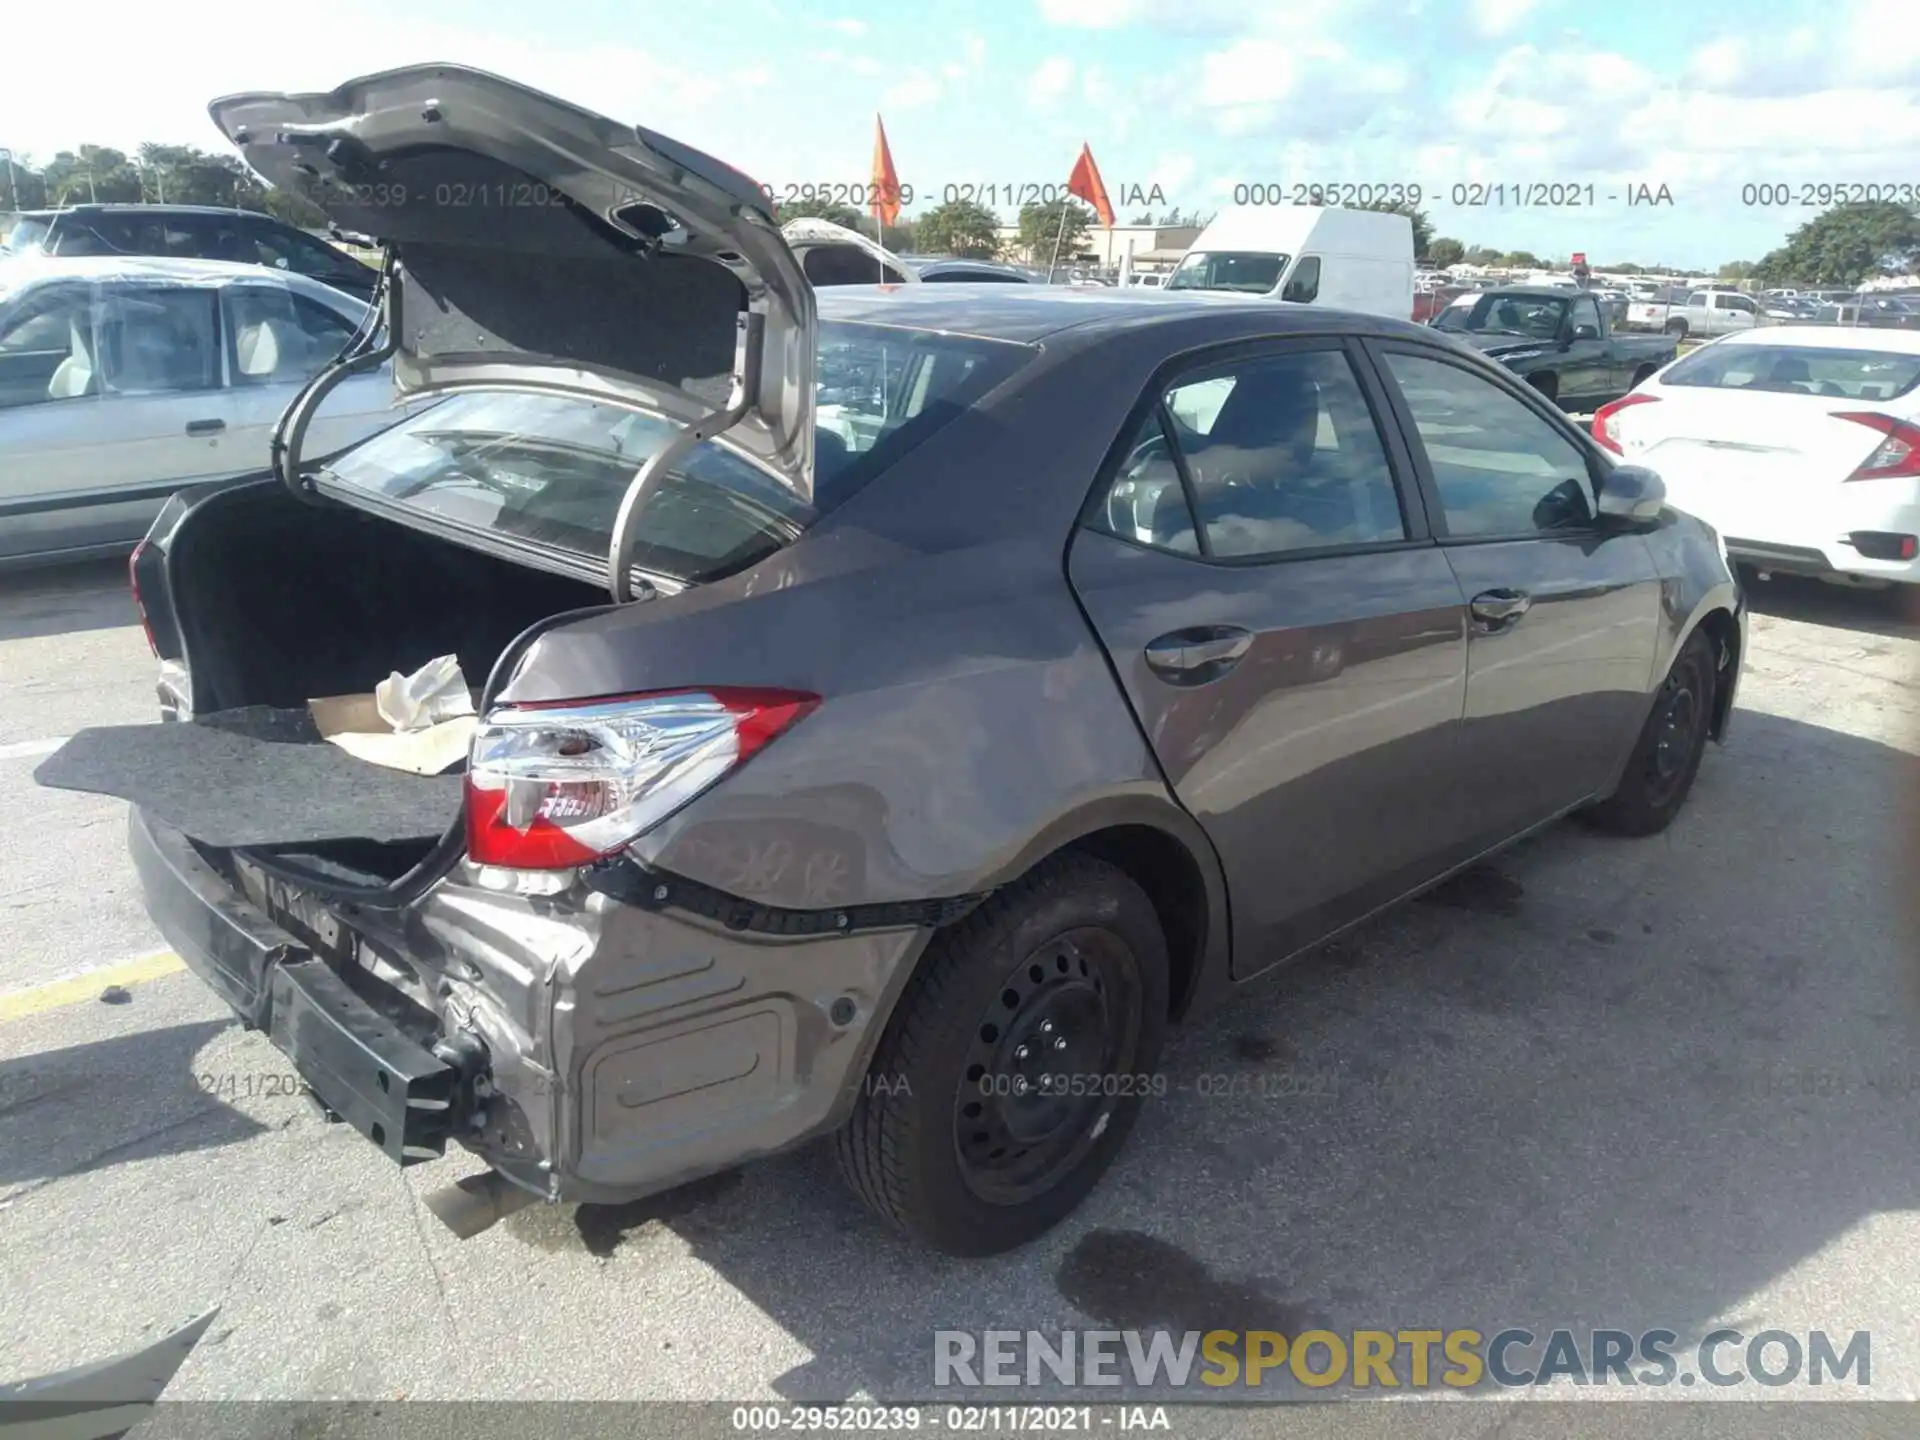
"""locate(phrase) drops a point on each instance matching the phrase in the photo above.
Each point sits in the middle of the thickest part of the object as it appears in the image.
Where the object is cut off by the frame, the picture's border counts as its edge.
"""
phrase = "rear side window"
(552, 470)
(276, 337)
(158, 340)
(288, 249)
(1805, 370)
(1279, 454)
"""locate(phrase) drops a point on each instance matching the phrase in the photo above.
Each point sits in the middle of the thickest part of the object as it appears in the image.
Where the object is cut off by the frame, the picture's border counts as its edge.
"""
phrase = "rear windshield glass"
(1795, 369)
(1251, 272)
(551, 470)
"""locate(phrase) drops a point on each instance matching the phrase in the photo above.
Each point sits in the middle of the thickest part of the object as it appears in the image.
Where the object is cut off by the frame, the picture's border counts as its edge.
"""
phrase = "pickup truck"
(1558, 340)
(1710, 313)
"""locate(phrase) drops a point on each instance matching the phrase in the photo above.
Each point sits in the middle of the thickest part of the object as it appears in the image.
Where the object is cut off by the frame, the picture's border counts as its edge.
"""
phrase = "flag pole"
(1061, 235)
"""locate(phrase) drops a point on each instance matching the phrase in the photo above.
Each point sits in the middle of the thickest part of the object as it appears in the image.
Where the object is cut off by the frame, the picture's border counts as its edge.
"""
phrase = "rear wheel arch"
(1546, 382)
(1164, 851)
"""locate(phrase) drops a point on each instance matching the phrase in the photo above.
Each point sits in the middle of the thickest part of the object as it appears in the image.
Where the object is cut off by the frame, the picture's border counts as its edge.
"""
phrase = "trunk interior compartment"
(277, 602)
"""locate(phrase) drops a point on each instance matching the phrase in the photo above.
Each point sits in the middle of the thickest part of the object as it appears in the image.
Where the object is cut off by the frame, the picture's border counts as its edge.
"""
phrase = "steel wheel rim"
(1023, 1121)
(1677, 726)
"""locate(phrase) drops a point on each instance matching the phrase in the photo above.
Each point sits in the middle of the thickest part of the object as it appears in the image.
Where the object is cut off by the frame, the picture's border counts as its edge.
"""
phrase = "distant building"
(1153, 247)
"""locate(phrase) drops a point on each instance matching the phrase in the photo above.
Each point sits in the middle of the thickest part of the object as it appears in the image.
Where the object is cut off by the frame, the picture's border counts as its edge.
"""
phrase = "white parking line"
(31, 749)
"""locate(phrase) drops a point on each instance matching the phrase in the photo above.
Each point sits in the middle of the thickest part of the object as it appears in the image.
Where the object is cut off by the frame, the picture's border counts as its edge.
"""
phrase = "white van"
(1307, 255)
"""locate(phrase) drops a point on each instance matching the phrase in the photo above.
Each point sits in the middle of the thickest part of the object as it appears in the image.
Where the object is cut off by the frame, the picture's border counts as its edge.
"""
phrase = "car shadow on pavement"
(1894, 612)
(64, 1112)
(1596, 1083)
(65, 599)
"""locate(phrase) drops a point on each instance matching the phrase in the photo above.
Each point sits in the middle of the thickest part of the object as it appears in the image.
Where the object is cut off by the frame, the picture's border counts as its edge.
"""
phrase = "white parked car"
(1799, 444)
(124, 379)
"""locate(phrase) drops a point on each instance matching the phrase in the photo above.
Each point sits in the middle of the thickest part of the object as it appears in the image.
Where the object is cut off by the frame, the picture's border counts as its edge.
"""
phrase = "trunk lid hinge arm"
(626, 524)
(290, 431)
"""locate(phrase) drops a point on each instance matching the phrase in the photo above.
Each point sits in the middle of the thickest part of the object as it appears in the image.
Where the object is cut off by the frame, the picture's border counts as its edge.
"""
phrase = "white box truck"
(1306, 255)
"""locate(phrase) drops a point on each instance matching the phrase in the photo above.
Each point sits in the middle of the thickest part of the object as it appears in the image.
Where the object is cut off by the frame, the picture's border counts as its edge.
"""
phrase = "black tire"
(1677, 329)
(1643, 373)
(1031, 951)
(1547, 383)
(1667, 755)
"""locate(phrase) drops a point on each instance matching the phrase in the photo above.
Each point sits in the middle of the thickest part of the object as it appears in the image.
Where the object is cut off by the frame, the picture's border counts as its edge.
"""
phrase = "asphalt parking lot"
(1600, 1083)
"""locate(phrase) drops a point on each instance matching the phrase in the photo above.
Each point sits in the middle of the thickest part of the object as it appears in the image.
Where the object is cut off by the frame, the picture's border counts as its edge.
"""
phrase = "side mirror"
(1632, 495)
(1586, 332)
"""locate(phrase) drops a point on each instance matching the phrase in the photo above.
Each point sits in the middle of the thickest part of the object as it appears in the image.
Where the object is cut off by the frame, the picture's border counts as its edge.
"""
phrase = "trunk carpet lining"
(254, 776)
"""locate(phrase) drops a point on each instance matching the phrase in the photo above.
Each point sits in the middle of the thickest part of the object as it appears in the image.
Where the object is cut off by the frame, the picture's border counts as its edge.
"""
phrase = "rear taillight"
(133, 581)
(1606, 423)
(1897, 456)
(553, 786)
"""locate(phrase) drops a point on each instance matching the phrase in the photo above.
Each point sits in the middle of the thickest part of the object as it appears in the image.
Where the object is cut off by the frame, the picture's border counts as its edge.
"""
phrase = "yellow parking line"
(37, 999)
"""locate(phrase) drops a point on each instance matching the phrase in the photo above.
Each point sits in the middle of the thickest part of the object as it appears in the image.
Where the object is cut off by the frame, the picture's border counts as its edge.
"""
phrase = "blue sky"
(1192, 96)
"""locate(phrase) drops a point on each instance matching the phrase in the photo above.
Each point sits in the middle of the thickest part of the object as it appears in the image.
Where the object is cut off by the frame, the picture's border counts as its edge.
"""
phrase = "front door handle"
(1198, 654)
(205, 427)
(1497, 610)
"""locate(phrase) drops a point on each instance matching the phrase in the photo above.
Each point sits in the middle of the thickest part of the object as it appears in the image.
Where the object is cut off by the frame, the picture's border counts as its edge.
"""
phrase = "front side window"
(1500, 468)
(552, 470)
(1303, 287)
(1282, 456)
(1585, 312)
(46, 348)
(158, 340)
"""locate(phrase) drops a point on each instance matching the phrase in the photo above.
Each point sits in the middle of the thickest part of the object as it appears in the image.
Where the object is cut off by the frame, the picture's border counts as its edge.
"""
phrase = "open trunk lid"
(536, 245)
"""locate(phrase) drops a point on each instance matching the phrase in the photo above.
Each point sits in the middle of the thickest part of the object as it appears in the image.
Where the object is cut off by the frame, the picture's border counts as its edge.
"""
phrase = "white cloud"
(1051, 79)
(912, 90)
(1499, 17)
(1193, 17)
(848, 26)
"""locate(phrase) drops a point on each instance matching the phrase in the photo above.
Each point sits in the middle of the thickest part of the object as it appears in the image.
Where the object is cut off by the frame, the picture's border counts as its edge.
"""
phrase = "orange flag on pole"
(883, 193)
(1086, 183)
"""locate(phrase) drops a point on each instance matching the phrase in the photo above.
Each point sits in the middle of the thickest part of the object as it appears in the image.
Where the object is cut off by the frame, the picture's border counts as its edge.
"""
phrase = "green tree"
(26, 189)
(838, 213)
(1145, 217)
(1422, 226)
(1444, 251)
(1736, 270)
(93, 172)
(1846, 245)
(1481, 255)
(959, 227)
(1040, 229)
(184, 175)
(1521, 260)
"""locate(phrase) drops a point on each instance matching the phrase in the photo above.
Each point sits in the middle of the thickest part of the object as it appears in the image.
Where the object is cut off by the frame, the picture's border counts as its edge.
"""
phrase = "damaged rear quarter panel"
(967, 706)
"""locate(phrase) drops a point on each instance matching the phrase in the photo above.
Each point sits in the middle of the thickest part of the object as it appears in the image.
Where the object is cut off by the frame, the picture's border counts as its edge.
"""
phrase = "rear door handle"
(1497, 610)
(1199, 654)
(205, 427)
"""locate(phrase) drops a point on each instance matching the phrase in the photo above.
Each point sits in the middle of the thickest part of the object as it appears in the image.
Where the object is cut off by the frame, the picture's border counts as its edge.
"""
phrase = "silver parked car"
(124, 379)
(894, 768)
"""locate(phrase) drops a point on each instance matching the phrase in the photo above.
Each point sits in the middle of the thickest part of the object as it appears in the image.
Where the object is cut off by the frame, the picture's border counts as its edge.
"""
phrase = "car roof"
(17, 272)
(127, 207)
(1535, 292)
(1825, 337)
(1028, 314)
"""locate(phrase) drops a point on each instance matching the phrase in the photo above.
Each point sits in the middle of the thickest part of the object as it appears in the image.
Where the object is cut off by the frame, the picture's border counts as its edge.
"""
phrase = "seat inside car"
(75, 375)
